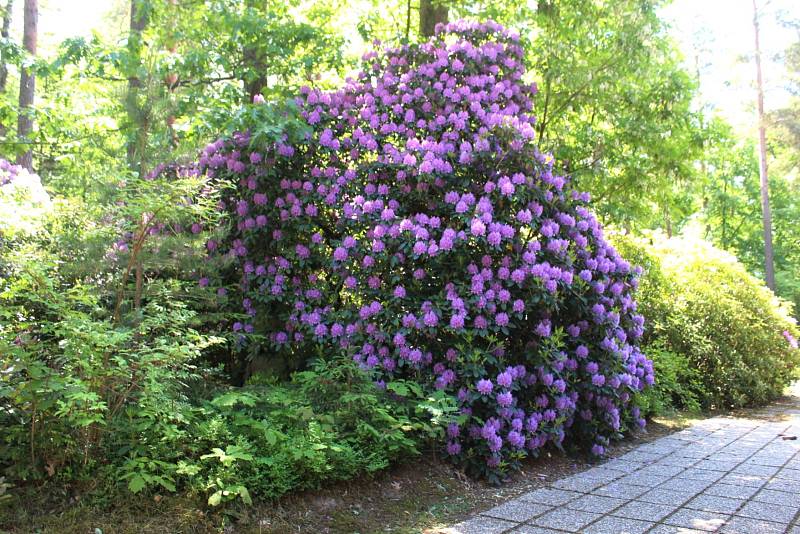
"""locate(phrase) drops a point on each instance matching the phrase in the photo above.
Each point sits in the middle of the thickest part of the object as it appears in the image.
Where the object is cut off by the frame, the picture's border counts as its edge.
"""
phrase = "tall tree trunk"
(140, 15)
(3, 67)
(27, 83)
(252, 59)
(431, 13)
(769, 265)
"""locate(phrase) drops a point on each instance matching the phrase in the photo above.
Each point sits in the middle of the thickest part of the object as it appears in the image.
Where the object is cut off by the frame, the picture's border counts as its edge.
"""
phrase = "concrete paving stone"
(755, 481)
(482, 525)
(667, 442)
(553, 497)
(702, 474)
(660, 496)
(755, 469)
(733, 453)
(617, 525)
(661, 470)
(601, 473)
(746, 525)
(716, 465)
(671, 529)
(781, 446)
(697, 519)
(779, 455)
(690, 433)
(620, 491)
(623, 466)
(777, 497)
(730, 458)
(713, 503)
(751, 445)
(640, 479)
(645, 510)
(577, 483)
(642, 457)
(789, 474)
(599, 504)
(768, 512)
(745, 444)
(757, 439)
(531, 529)
(781, 484)
(676, 484)
(731, 491)
(565, 519)
(698, 454)
(761, 458)
(518, 510)
(678, 460)
(661, 446)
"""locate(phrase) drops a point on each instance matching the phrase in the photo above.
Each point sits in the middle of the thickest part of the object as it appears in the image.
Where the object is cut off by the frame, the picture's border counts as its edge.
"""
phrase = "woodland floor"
(423, 495)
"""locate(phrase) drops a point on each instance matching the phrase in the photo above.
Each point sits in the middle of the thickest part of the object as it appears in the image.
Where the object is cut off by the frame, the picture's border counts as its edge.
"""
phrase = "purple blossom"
(382, 184)
(484, 386)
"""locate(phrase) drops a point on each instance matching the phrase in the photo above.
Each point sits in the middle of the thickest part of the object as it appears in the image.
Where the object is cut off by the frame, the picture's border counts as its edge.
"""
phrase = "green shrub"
(76, 389)
(329, 423)
(678, 384)
(702, 305)
(84, 398)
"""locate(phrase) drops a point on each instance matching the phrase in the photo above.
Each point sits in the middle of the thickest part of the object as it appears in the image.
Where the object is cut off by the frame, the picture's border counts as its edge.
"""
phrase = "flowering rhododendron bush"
(418, 229)
(23, 201)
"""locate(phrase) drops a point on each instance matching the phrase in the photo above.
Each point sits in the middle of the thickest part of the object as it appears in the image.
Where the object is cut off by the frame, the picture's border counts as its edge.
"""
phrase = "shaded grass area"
(423, 495)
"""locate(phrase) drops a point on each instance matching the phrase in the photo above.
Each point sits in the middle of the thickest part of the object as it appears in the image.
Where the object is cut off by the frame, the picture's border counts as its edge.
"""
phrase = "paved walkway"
(734, 475)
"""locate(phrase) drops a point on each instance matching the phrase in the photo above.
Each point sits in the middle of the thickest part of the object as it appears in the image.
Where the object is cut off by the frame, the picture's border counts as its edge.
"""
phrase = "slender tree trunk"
(769, 266)
(3, 67)
(431, 13)
(139, 19)
(667, 220)
(4, 33)
(408, 19)
(27, 83)
(172, 80)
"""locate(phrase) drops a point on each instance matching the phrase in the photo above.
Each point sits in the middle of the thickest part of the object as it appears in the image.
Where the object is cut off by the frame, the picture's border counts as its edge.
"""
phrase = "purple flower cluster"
(791, 339)
(418, 229)
(9, 172)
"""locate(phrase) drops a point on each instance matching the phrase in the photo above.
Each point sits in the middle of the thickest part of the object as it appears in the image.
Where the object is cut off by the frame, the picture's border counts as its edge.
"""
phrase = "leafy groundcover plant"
(412, 225)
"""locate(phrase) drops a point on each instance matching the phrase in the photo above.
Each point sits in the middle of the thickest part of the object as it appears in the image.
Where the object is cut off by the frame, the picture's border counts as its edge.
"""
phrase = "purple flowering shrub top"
(9, 172)
(418, 229)
(24, 202)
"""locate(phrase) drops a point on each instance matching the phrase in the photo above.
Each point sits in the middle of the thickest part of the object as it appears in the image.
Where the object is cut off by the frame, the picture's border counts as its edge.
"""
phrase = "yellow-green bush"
(703, 307)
